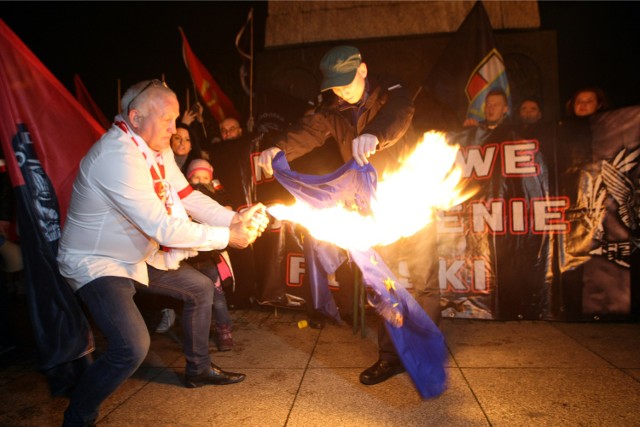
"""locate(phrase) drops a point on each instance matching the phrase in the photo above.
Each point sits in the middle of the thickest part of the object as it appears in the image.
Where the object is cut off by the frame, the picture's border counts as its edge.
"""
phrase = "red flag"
(61, 130)
(83, 97)
(44, 133)
(220, 105)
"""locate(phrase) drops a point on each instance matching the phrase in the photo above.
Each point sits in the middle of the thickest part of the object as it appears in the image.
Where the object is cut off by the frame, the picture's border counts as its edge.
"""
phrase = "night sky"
(598, 43)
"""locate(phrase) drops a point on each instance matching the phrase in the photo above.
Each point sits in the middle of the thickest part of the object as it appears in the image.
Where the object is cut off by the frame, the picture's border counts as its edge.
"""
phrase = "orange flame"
(405, 203)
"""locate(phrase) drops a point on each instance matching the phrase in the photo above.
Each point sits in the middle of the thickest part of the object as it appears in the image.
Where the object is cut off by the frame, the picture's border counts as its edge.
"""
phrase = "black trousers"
(429, 299)
(420, 253)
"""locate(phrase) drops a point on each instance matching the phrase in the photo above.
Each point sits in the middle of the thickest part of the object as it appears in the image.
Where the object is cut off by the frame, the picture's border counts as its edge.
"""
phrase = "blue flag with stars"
(418, 341)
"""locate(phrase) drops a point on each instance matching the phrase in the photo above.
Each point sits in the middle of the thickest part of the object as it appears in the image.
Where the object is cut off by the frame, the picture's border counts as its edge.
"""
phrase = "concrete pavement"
(499, 374)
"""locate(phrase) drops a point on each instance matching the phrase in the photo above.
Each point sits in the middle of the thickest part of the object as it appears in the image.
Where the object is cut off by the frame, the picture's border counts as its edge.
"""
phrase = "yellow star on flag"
(390, 284)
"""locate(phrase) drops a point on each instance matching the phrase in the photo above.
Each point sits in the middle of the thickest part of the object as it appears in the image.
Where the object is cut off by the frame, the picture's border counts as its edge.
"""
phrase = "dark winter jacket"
(386, 111)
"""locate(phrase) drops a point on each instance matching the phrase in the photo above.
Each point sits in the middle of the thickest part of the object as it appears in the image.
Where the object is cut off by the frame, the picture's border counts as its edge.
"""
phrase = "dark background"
(598, 43)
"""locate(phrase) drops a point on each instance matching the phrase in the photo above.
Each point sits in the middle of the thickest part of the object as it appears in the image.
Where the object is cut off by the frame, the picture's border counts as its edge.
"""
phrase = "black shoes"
(215, 376)
(380, 371)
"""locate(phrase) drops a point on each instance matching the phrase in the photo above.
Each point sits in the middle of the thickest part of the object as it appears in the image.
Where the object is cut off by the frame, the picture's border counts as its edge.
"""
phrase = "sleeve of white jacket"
(205, 210)
(126, 182)
(201, 208)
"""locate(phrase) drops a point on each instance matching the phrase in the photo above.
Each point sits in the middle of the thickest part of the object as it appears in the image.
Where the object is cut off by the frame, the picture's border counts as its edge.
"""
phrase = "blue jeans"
(110, 302)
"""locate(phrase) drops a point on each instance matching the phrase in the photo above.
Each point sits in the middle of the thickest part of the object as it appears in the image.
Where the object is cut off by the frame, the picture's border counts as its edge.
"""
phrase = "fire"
(405, 202)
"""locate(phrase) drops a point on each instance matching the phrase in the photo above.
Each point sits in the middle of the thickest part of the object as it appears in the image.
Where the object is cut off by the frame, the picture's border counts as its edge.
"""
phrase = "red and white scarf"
(164, 258)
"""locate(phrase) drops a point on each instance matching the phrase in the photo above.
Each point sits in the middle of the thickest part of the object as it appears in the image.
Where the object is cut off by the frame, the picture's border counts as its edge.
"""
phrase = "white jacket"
(116, 222)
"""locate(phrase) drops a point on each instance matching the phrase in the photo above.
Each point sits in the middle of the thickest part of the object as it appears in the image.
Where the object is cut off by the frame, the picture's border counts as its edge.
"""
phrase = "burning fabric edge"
(363, 216)
(345, 204)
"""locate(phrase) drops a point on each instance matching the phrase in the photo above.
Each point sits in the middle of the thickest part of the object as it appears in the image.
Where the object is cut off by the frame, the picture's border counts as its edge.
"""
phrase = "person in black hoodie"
(574, 155)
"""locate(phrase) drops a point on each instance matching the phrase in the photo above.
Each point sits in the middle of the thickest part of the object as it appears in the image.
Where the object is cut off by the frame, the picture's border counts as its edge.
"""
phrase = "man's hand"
(240, 236)
(265, 159)
(363, 147)
(247, 226)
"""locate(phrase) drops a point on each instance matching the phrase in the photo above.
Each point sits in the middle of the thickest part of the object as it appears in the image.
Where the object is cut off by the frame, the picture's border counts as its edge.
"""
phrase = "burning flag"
(363, 216)
(344, 208)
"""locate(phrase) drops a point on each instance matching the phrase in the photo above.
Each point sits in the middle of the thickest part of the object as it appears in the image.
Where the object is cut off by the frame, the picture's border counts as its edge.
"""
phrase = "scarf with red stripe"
(164, 258)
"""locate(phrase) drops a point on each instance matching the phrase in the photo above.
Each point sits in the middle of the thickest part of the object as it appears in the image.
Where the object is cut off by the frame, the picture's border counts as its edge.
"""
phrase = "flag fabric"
(599, 174)
(418, 341)
(320, 259)
(44, 133)
(85, 99)
(469, 68)
(347, 185)
(32, 95)
(219, 104)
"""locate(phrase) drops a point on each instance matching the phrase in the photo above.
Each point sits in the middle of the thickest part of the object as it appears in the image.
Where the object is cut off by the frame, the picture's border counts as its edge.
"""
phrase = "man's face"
(530, 112)
(230, 129)
(495, 108)
(352, 93)
(181, 142)
(159, 122)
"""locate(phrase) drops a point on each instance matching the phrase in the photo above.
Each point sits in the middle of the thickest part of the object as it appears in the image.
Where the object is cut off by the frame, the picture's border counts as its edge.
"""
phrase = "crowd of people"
(148, 215)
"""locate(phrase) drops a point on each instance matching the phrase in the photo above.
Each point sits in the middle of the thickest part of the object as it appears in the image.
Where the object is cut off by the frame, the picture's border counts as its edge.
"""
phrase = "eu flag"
(417, 340)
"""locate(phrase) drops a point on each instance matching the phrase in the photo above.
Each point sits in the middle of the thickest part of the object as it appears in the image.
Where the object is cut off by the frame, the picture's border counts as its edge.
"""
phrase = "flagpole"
(250, 58)
(250, 121)
(417, 93)
(204, 129)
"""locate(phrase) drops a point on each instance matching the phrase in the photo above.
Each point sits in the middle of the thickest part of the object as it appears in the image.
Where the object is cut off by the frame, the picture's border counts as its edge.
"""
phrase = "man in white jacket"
(127, 229)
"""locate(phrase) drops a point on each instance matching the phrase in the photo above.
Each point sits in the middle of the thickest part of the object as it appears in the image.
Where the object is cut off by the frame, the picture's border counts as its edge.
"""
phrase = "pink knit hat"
(199, 164)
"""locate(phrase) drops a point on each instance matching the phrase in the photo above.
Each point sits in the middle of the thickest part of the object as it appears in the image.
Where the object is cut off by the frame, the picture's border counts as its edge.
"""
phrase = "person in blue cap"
(367, 115)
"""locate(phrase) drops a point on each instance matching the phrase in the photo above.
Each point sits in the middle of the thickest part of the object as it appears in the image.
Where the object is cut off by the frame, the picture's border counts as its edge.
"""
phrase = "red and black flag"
(44, 133)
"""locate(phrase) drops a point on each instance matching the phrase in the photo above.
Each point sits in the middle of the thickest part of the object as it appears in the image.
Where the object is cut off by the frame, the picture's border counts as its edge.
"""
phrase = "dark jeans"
(110, 302)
